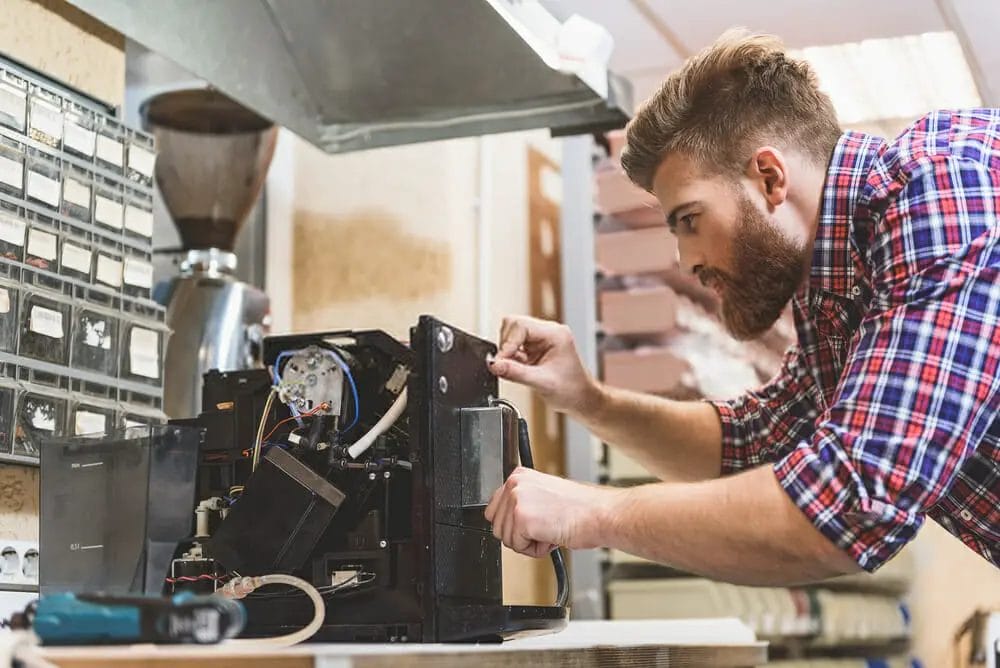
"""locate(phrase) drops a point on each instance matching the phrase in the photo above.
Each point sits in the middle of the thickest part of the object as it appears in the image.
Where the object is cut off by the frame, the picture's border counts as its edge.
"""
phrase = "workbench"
(716, 643)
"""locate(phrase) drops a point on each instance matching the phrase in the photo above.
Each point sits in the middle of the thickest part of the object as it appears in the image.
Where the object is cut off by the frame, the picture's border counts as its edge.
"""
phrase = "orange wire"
(322, 407)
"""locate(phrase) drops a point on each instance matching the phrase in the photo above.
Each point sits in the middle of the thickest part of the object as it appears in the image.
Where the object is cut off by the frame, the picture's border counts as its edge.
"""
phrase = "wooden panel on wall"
(545, 298)
(545, 301)
(56, 38)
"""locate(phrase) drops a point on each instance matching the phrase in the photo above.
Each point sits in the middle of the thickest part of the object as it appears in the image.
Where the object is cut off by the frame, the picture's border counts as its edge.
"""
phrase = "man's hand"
(534, 513)
(742, 529)
(542, 355)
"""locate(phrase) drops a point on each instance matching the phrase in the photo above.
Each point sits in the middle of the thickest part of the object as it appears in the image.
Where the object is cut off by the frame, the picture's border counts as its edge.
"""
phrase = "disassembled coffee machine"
(362, 466)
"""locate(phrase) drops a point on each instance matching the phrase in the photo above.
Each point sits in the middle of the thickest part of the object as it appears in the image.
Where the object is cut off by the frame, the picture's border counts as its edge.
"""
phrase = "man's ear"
(768, 173)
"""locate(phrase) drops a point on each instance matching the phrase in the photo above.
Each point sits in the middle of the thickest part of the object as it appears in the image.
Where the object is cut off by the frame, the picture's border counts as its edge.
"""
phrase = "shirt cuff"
(732, 439)
(824, 486)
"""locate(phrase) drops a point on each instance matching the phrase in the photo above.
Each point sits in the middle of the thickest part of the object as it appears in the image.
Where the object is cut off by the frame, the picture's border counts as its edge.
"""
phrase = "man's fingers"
(509, 531)
(491, 509)
(524, 331)
(517, 372)
(500, 514)
(538, 550)
(513, 336)
(521, 543)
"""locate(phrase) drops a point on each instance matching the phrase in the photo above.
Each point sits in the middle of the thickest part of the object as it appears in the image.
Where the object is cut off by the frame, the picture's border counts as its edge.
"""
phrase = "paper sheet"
(46, 322)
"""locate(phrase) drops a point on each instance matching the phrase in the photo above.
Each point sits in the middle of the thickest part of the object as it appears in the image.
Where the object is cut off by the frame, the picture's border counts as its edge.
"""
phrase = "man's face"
(731, 244)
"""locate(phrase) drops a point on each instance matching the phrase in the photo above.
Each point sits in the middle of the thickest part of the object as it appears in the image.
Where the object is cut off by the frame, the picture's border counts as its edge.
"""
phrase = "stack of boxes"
(81, 341)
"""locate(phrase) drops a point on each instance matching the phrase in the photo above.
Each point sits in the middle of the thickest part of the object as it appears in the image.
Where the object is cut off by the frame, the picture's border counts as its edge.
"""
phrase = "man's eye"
(687, 223)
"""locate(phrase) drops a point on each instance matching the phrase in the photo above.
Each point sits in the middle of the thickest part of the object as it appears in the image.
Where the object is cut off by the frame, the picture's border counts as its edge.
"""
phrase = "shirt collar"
(833, 264)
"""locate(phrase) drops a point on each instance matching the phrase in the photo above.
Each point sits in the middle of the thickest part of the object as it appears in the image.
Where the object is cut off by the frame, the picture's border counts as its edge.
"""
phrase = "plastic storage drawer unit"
(11, 166)
(142, 351)
(95, 340)
(45, 328)
(41, 414)
(10, 296)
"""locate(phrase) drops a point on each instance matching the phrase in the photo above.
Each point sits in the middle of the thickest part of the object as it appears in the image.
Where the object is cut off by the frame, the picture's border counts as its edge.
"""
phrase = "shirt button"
(965, 515)
(855, 291)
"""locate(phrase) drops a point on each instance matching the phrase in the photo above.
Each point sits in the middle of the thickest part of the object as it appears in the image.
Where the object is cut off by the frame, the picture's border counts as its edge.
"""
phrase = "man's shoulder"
(945, 163)
(964, 134)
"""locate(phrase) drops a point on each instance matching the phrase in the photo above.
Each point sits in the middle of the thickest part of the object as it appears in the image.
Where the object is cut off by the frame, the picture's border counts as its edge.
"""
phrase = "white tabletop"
(703, 642)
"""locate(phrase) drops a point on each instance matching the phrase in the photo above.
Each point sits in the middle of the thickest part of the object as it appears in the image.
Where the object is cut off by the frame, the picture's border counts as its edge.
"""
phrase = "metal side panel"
(580, 314)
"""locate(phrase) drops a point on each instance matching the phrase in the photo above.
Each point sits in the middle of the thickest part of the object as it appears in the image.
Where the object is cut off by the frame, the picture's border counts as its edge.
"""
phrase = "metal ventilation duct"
(354, 74)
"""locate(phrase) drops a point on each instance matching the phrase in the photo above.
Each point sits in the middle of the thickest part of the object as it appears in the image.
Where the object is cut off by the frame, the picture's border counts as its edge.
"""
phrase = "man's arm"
(674, 440)
(680, 440)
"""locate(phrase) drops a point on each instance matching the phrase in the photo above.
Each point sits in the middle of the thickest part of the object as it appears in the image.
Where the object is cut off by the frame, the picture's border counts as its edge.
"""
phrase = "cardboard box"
(653, 370)
(613, 192)
(639, 310)
(644, 216)
(636, 251)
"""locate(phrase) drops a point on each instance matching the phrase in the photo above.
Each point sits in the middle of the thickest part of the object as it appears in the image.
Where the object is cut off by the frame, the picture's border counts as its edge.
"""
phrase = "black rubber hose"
(558, 562)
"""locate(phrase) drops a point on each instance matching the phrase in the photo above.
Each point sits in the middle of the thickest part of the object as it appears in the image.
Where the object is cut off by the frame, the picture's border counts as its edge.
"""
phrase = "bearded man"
(885, 410)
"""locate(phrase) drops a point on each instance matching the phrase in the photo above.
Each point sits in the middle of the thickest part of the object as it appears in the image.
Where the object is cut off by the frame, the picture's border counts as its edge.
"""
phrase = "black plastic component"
(466, 604)
(281, 515)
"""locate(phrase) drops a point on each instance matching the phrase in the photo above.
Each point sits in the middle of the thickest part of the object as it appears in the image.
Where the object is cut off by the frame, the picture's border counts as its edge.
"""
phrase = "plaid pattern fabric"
(886, 409)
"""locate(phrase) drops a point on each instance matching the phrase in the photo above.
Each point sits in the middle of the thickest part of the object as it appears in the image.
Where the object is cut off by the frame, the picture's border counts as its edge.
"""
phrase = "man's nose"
(689, 258)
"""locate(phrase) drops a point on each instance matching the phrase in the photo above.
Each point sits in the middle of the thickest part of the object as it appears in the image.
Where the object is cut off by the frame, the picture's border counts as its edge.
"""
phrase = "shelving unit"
(81, 341)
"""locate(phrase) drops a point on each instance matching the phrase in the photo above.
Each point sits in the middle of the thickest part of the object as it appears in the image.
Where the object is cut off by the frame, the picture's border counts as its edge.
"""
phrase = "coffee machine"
(213, 158)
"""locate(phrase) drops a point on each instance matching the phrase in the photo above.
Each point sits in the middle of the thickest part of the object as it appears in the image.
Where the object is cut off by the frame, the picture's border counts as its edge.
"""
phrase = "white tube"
(382, 426)
(240, 587)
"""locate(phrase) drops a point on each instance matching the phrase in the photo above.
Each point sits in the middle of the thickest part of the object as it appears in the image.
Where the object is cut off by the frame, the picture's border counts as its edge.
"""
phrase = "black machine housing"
(396, 539)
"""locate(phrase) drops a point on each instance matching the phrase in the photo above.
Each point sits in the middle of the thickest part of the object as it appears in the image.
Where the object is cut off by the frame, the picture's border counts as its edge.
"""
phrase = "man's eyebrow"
(672, 216)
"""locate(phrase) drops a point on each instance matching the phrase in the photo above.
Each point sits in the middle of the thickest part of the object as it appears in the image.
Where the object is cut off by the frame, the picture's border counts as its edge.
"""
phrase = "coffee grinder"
(213, 158)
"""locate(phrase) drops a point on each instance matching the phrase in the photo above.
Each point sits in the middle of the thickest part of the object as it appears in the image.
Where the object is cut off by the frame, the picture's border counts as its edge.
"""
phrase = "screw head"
(445, 339)
(382, 543)
(371, 476)
(443, 385)
(386, 475)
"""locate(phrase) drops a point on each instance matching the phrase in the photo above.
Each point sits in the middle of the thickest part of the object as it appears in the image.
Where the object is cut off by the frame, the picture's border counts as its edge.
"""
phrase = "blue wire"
(285, 354)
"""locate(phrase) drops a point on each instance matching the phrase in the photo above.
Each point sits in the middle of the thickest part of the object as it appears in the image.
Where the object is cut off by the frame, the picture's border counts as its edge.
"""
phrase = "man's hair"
(741, 90)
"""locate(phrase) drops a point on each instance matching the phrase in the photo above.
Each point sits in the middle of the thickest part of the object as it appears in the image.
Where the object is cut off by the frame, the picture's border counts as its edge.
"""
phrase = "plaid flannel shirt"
(886, 409)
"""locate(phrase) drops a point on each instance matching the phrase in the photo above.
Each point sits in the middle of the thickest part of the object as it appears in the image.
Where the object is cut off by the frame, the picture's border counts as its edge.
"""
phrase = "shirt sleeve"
(920, 385)
(760, 425)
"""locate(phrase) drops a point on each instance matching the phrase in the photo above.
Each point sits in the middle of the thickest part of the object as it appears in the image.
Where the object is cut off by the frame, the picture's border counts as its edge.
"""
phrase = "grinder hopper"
(213, 158)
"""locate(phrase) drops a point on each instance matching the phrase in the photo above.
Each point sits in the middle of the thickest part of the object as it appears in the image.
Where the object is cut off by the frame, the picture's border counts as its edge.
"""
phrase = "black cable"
(558, 562)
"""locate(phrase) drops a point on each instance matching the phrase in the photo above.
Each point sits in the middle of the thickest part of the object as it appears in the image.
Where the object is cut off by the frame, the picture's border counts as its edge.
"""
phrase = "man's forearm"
(741, 529)
(674, 440)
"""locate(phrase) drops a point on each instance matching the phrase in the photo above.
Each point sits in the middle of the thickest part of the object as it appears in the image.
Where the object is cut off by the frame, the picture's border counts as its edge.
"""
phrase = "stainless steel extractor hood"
(354, 74)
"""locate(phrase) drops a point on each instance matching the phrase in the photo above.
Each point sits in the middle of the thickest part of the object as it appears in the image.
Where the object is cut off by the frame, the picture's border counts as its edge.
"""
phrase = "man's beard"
(767, 270)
